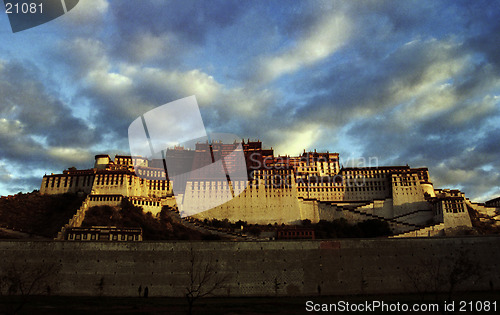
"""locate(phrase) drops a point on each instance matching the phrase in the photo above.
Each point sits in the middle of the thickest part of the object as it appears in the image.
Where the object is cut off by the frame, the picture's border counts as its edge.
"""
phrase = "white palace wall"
(65, 183)
(258, 205)
(407, 194)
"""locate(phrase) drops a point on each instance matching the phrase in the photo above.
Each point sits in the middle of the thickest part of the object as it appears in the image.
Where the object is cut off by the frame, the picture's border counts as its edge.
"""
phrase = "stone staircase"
(433, 230)
(481, 209)
(200, 227)
(395, 223)
(76, 220)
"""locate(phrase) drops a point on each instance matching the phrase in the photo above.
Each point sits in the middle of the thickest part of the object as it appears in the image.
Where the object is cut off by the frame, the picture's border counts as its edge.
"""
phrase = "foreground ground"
(264, 305)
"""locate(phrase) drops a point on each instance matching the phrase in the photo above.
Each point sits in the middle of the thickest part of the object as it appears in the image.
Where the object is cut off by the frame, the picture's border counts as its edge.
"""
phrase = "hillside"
(128, 215)
(38, 215)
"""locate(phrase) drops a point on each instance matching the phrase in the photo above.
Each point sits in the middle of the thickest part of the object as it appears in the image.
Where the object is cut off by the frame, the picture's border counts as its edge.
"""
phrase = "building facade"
(278, 189)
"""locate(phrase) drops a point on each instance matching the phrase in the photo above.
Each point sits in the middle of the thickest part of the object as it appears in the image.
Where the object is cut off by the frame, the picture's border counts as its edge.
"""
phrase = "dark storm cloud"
(361, 78)
(191, 19)
(491, 143)
(21, 152)
(483, 23)
(25, 99)
(18, 184)
(23, 184)
(348, 90)
(428, 140)
(37, 130)
(182, 25)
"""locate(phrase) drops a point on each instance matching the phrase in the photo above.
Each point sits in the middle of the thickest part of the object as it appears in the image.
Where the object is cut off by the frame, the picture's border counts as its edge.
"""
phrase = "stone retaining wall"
(260, 268)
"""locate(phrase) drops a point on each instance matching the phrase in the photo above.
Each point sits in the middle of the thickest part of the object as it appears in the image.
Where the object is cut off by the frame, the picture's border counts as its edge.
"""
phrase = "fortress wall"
(332, 212)
(365, 187)
(309, 210)
(201, 195)
(409, 198)
(131, 185)
(169, 201)
(327, 193)
(371, 266)
(103, 200)
(398, 228)
(256, 205)
(160, 188)
(355, 193)
(148, 205)
(137, 186)
(326, 211)
(62, 183)
(383, 208)
(452, 220)
(490, 211)
(115, 189)
(366, 208)
(419, 218)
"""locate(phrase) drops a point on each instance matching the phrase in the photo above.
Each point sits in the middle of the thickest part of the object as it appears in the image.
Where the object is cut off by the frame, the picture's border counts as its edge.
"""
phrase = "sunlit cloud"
(329, 34)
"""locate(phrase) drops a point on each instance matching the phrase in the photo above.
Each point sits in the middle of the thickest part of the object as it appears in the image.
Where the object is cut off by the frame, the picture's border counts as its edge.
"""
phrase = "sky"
(380, 82)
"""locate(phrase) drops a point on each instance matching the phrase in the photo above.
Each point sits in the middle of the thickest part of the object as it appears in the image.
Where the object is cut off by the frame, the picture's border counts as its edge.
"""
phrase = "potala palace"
(278, 189)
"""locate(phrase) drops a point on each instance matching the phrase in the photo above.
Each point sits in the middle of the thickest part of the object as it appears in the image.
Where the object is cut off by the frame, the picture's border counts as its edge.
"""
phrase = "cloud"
(293, 140)
(87, 12)
(119, 92)
(146, 46)
(196, 82)
(36, 127)
(40, 113)
(326, 36)
(83, 55)
(170, 29)
(71, 155)
(349, 91)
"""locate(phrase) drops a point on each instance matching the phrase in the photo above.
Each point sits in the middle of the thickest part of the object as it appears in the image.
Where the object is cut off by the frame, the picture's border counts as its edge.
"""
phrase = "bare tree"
(100, 286)
(465, 269)
(426, 276)
(22, 282)
(277, 285)
(444, 275)
(205, 278)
